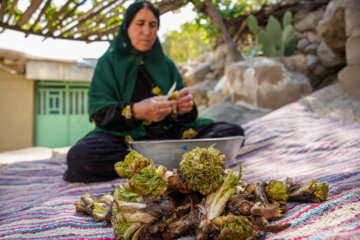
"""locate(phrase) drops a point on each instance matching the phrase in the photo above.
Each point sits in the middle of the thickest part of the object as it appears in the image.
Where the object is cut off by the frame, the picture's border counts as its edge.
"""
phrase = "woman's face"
(142, 30)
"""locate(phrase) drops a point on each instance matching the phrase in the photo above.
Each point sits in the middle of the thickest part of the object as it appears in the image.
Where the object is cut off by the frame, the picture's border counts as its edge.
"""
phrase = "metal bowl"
(170, 152)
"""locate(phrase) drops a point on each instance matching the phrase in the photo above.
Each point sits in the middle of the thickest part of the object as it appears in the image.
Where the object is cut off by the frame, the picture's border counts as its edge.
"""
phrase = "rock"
(196, 75)
(218, 69)
(334, 102)
(310, 21)
(199, 91)
(265, 83)
(238, 113)
(300, 15)
(352, 18)
(210, 76)
(311, 48)
(319, 71)
(204, 58)
(328, 57)
(298, 35)
(301, 45)
(313, 37)
(220, 85)
(349, 79)
(311, 61)
(317, 75)
(332, 26)
(201, 108)
(353, 50)
(296, 63)
(214, 97)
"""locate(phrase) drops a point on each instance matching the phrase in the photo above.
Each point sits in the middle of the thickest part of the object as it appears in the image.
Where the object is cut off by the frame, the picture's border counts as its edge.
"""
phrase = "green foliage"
(274, 41)
(189, 43)
(253, 24)
(228, 9)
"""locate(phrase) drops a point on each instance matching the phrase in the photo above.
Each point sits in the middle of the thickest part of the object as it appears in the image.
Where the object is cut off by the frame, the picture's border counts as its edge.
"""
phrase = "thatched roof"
(84, 20)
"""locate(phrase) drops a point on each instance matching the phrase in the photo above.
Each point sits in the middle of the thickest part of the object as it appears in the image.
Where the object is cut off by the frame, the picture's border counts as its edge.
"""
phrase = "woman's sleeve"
(116, 117)
(107, 108)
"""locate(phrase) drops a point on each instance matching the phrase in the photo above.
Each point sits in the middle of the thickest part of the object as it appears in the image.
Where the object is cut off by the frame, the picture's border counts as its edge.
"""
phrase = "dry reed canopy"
(84, 20)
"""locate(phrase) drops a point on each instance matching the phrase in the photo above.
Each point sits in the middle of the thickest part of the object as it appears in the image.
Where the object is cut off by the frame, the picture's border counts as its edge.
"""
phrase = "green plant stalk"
(126, 193)
(150, 181)
(122, 229)
(222, 195)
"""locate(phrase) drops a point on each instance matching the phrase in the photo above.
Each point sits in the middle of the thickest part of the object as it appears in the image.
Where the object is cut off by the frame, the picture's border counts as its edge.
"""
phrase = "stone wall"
(328, 50)
(329, 38)
(349, 76)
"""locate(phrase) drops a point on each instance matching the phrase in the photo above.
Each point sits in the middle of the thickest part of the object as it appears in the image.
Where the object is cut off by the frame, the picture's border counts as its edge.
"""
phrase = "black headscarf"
(137, 6)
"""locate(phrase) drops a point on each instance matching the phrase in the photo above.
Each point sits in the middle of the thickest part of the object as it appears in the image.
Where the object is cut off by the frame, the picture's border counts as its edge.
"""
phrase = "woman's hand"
(184, 102)
(154, 109)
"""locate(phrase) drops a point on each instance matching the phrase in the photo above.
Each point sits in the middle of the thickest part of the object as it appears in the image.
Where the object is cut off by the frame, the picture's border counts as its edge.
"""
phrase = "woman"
(127, 100)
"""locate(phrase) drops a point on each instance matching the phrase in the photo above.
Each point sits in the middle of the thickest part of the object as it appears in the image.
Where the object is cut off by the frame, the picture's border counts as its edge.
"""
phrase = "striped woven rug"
(35, 203)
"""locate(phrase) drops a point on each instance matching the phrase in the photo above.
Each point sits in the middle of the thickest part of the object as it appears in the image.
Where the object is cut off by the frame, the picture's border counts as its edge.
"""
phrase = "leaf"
(273, 32)
(265, 43)
(253, 24)
(290, 48)
(287, 35)
(287, 19)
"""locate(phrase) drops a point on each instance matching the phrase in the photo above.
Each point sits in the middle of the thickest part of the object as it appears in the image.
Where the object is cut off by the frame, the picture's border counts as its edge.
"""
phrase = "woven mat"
(35, 203)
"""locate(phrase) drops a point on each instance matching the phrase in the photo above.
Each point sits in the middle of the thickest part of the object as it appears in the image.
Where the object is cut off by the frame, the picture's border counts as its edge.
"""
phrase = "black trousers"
(92, 158)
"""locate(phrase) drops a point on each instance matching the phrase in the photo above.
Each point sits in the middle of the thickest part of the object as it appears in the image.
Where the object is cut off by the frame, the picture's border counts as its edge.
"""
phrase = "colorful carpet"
(35, 203)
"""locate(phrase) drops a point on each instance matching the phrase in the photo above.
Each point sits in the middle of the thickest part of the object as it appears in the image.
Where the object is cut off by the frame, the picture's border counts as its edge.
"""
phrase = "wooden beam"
(4, 4)
(83, 17)
(57, 15)
(29, 12)
(108, 32)
(102, 32)
(71, 13)
(47, 4)
(11, 11)
(98, 20)
(16, 28)
(169, 5)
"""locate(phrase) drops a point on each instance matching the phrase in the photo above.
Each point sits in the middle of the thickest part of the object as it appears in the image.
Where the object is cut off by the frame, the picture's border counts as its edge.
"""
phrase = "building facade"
(43, 102)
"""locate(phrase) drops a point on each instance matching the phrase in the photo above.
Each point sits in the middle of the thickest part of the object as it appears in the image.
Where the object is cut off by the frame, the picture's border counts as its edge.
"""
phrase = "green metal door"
(61, 113)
